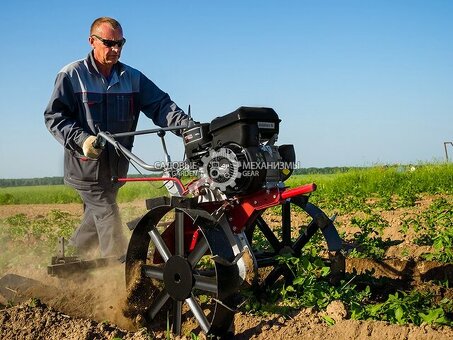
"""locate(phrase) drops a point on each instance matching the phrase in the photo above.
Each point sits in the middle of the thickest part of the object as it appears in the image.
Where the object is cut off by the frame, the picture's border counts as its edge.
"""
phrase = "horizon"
(333, 169)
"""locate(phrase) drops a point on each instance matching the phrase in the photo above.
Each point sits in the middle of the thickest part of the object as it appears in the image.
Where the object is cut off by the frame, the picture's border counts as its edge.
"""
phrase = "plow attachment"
(65, 266)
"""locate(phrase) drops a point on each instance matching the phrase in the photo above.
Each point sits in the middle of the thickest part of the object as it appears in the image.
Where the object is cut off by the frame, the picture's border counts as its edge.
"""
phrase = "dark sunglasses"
(110, 43)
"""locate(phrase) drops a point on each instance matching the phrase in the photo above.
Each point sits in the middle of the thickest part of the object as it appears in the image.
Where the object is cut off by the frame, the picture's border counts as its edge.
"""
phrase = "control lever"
(99, 143)
(161, 134)
(168, 172)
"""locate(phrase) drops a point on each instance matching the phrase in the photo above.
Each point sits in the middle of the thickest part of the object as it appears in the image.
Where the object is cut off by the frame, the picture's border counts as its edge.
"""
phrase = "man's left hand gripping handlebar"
(93, 146)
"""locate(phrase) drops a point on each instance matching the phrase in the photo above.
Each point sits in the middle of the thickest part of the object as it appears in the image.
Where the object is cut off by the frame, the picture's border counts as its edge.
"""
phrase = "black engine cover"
(247, 126)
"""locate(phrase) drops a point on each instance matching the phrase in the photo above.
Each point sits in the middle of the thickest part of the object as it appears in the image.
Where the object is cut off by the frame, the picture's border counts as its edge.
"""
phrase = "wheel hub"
(286, 250)
(178, 278)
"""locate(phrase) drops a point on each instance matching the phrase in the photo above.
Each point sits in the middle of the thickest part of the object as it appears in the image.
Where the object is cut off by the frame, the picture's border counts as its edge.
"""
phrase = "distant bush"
(7, 198)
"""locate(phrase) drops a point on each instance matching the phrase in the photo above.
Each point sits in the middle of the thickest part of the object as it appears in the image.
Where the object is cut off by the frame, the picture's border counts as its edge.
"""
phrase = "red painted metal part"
(302, 190)
(248, 208)
(194, 240)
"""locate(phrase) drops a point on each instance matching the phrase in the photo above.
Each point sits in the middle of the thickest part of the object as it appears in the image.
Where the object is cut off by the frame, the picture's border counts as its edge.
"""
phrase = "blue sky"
(356, 83)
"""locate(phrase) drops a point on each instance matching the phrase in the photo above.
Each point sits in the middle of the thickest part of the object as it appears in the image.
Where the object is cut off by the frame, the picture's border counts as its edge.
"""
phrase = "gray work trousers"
(101, 225)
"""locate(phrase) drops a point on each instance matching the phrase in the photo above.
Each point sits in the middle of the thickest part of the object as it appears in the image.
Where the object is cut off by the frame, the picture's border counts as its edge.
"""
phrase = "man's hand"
(89, 150)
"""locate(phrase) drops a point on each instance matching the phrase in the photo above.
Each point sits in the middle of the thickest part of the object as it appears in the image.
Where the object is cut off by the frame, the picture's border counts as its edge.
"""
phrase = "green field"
(380, 181)
(363, 199)
(57, 194)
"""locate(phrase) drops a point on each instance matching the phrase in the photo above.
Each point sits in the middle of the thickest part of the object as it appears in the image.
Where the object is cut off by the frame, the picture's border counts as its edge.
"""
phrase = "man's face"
(107, 56)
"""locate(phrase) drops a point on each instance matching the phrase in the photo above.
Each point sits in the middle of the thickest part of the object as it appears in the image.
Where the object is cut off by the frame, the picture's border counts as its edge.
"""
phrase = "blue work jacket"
(84, 102)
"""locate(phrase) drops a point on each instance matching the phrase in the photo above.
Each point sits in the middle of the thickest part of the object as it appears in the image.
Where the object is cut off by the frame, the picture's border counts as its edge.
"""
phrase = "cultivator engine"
(193, 251)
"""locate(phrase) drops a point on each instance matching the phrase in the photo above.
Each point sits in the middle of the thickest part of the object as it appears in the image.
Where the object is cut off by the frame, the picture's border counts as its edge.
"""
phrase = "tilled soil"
(90, 306)
(35, 320)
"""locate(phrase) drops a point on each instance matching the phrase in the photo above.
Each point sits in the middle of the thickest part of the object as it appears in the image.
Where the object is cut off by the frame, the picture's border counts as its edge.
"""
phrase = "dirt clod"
(337, 310)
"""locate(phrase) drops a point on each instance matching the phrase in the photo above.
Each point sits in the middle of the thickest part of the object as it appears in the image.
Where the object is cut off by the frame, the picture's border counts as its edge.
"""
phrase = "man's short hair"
(113, 22)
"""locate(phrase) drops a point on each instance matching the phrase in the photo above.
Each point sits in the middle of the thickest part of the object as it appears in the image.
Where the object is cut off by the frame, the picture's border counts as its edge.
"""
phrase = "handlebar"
(145, 132)
(103, 137)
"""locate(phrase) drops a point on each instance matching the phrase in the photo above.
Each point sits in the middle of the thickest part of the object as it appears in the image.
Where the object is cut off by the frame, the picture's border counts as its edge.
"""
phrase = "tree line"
(17, 182)
(324, 171)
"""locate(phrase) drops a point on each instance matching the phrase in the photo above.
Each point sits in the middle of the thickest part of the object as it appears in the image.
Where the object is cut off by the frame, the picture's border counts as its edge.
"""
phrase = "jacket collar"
(117, 69)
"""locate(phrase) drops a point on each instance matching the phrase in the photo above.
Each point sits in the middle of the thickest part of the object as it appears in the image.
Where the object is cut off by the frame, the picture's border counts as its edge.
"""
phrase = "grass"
(62, 194)
(141, 190)
(35, 238)
(391, 186)
(49, 194)
(311, 288)
(344, 191)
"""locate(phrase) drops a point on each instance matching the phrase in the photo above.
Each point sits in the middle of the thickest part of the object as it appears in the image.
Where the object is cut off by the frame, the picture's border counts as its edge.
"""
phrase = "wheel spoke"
(198, 313)
(157, 304)
(302, 240)
(179, 232)
(177, 317)
(198, 252)
(160, 244)
(276, 273)
(286, 224)
(268, 234)
(153, 272)
(207, 284)
(318, 221)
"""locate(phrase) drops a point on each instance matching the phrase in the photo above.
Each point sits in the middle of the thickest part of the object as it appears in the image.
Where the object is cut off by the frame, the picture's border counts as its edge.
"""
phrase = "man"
(101, 93)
